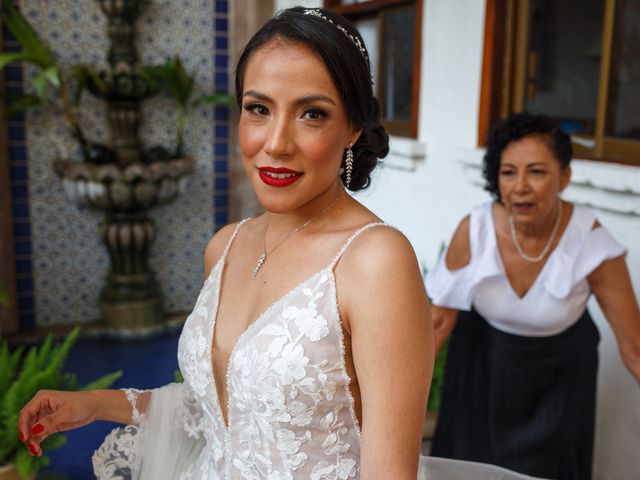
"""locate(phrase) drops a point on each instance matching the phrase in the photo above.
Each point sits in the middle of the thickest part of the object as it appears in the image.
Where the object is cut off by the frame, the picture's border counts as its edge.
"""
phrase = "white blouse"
(557, 298)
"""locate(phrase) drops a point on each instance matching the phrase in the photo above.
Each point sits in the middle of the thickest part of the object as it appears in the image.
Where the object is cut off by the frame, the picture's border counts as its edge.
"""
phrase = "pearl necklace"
(265, 254)
(547, 247)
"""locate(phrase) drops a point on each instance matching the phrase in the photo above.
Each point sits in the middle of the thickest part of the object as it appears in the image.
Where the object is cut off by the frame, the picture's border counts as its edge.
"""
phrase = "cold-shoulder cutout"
(560, 290)
(459, 251)
(216, 246)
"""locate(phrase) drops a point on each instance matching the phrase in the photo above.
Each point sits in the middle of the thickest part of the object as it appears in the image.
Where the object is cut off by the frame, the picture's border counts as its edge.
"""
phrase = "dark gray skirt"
(523, 403)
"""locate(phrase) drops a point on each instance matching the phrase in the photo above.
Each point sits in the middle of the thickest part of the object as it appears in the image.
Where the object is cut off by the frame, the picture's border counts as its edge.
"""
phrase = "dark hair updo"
(349, 68)
(516, 127)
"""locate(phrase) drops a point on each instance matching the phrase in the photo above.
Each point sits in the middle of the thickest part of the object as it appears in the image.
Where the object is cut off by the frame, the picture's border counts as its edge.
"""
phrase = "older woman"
(511, 290)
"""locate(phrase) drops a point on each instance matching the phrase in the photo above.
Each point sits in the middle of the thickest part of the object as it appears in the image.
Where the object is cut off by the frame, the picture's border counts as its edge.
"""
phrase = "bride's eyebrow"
(314, 98)
(300, 101)
(255, 94)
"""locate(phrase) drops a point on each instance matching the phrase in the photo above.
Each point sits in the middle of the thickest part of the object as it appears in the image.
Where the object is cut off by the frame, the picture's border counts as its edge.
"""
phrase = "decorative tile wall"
(19, 173)
(68, 259)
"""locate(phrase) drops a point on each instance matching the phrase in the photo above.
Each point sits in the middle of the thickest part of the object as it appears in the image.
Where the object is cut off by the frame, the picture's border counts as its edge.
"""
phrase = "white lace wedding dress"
(290, 414)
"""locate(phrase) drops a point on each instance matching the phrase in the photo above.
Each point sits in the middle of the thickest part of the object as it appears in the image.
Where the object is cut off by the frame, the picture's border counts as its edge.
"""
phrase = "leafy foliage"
(171, 78)
(435, 394)
(174, 80)
(34, 51)
(21, 377)
(433, 403)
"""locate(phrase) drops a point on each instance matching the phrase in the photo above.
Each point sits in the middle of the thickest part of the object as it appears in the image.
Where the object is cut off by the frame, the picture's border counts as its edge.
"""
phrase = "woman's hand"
(51, 411)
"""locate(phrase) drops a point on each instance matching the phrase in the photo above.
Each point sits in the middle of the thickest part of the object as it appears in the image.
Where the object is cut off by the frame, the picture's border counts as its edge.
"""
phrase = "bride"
(309, 351)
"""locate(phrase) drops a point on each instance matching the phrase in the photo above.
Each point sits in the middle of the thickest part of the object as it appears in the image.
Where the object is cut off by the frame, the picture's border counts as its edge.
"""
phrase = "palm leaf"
(41, 368)
(53, 442)
(82, 76)
(45, 349)
(16, 357)
(183, 87)
(48, 76)
(19, 103)
(26, 36)
(26, 465)
(173, 79)
(40, 87)
(6, 372)
(7, 58)
(53, 75)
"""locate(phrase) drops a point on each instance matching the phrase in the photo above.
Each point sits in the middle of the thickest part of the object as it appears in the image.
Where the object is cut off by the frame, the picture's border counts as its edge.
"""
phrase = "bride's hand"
(50, 412)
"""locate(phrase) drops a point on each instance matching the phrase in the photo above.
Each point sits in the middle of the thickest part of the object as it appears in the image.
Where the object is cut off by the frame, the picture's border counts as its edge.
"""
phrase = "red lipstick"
(278, 177)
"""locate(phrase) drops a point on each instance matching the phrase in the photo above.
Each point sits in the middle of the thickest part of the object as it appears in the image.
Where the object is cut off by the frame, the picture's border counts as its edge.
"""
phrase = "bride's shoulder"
(378, 249)
(220, 240)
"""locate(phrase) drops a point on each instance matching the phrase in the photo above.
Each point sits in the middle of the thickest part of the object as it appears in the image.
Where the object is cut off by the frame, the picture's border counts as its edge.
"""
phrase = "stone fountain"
(126, 188)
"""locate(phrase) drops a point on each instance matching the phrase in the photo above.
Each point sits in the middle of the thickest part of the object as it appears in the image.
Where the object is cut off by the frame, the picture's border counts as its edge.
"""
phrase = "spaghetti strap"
(233, 237)
(353, 237)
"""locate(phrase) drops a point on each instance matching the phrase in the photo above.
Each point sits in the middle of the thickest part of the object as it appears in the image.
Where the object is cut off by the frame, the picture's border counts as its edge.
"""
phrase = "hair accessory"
(265, 254)
(348, 165)
(355, 40)
(545, 250)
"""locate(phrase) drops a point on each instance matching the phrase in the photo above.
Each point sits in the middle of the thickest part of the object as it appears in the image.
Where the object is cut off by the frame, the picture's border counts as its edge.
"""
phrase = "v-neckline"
(219, 270)
(546, 262)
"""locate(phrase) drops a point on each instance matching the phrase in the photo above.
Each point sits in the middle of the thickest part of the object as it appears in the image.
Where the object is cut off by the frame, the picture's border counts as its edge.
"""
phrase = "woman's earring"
(348, 166)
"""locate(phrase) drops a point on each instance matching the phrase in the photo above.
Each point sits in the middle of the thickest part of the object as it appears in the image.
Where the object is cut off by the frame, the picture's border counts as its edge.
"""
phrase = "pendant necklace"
(265, 254)
(545, 250)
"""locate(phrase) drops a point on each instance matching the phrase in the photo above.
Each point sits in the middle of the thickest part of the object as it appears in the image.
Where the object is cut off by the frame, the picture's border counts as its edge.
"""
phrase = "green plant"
(21, 376)
(49, 78)
(35, 52)
(435, 393)
(172, 79)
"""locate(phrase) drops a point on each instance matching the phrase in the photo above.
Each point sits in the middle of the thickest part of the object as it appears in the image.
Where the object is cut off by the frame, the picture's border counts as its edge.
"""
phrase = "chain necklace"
(265, 254)
(545, 250)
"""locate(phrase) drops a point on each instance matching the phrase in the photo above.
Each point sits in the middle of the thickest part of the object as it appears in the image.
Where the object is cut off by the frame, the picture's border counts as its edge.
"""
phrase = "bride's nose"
(279, 140)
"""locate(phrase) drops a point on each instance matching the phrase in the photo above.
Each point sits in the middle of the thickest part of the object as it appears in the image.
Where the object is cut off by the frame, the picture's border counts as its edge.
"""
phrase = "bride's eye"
(314, 114)
(256, 109)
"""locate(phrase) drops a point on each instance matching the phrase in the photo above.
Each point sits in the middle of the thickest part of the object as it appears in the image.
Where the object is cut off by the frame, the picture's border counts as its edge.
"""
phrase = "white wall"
(282, 4)
(426, 198)
(428, 202)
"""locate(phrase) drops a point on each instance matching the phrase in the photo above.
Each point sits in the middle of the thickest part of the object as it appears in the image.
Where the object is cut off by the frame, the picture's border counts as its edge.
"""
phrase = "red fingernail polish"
(37, 428)
(33, 449)
(22, 436)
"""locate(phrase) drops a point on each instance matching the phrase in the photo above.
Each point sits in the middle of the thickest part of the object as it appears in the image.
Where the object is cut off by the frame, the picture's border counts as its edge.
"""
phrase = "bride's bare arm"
(385, 307)
(52, 411)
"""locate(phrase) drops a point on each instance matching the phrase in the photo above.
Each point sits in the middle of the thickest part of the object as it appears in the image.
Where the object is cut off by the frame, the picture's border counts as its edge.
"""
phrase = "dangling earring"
(348, 165)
